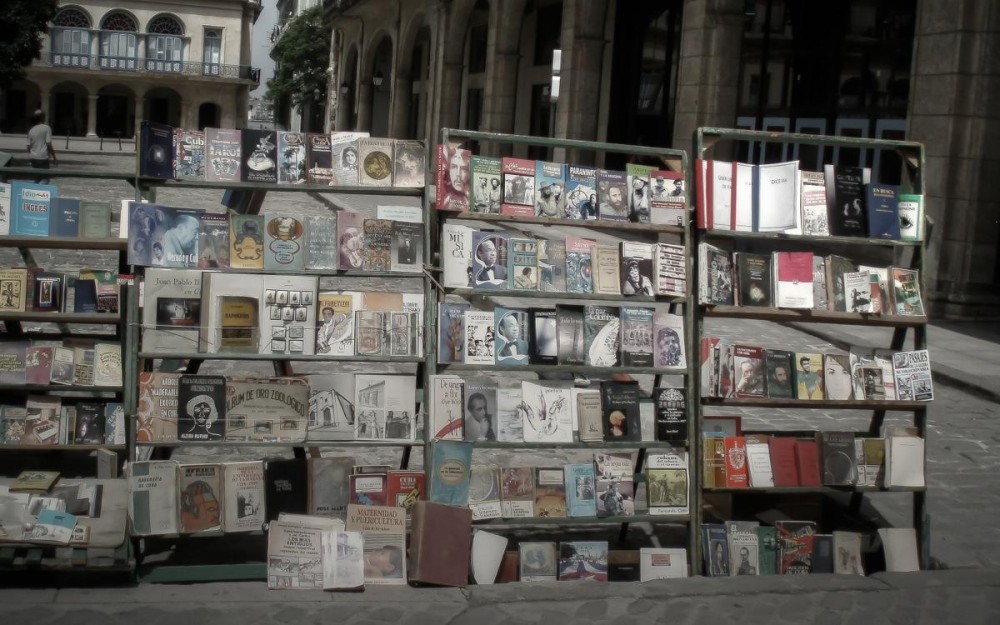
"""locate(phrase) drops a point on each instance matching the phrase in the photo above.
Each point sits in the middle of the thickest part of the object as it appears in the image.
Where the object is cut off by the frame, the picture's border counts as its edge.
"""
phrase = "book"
(481, 410)
(602, 335)
(294, 556)
(779, 373)
(581, 193)
(246, 240)
(259, 155)
(330, 488)
(518, 187)
(409, 158)
(837, 376)
(13, 290)
(759, 460)
(837, 457)
(571, 341)
(517, 492)
(440, 548)
(214, 246)
(836, 268)
(407, 247)
(319, 160)
(156, 411)
(83, 366)
(478, 328)
(292, 157)
(34, 482)
(551, 258)
(451, 337)
(912, 376)
(64, 217)
(107, 364)
(243, 485)
(583, 560)
(41, 423)
(807, 460)
(882, 201)
(670, 414)
(523, 264)
(5, 208)
(286, 487)
(265, 409)
(376, 162)
(449, 475)
(744, 547)
(223, 155)
(284, 241)
(845, 197)
(331, 407)
(750, 371)
(637, 328)
(512, 334)
(452, 178)
(369, 489)
(670, 263)
(767, 555)
(714, 181)
(547, 412)
(814, 217)
(335, 333)
(171, 312)
(95, 220)
(152, 497)
(510, 422)
(456, 255)
(847, 558)
(579, 484)
(550, 189)
(662, 563)
(737, 471)
(345, 157)
(899, 544)
(753, 279)
(784, 468)
(538, 561)
(820, 291)
(793, 274)
(911, 217)
(620, 406)
(809, 375)
(550, 493)
(775, 200)
(287, 319)
(906, 293)
(343, 560)
(715, 550)
(406, 488)
(36, 364)
(822, 556)
(199, 491)
(667, 483)
(377, 254)
(904, 462)
(612, 195)
(715, 276)
(615, 484)
(858, 292)
(795, 546)
(579, 265)
(668, 197)
(201, 408)
(544, 346)
(189, 154)
(155, 150)
(607, 267)
(490, 260)
(385, 407)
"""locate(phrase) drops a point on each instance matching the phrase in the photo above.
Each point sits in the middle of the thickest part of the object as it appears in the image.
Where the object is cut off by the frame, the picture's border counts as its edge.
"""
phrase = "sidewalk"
(933, 597)
(17, 146)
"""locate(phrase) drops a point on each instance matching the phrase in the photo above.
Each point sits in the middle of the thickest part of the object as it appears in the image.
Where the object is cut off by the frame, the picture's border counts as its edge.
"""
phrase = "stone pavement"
(932, 598)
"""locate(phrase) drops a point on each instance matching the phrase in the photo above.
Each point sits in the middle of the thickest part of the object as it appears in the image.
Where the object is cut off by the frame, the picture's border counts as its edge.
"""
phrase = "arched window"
(118, 41)
(213, 51)
(164, 44)
(71, 38)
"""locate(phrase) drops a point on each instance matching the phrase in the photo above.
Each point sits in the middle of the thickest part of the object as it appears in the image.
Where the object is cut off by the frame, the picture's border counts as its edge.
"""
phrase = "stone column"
(92, 115)
(708, 73)
(954, 77)
(502, 59)
(139, 113)
(402, 92)
(364, 110)
(582, 43)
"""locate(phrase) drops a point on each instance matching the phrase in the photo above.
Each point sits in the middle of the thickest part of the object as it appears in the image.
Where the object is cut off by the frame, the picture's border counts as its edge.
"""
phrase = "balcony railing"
(133, 64)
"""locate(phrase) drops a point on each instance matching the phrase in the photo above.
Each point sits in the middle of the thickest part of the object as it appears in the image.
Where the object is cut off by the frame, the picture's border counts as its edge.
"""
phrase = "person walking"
(40, 148)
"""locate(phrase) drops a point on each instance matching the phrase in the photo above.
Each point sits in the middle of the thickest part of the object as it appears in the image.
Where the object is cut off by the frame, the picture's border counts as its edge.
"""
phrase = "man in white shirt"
(40, 144)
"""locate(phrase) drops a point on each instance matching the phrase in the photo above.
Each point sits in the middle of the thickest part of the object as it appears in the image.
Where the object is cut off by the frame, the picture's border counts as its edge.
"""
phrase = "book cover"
(484, 493)
(510, 422)
(83, 366)
(369, 489)
(47, 291)
(518, 187)
(199, 493)
(12, 424)
(36, 364)
(385, 407)
(807, 462)
(836, 268)
(435, 556)
(31, 208)
(490, 260)
(670, 414)
(480, 420)
(229, 313)
(246, 240)
(13, 290)
(715, 279)
(173, 240)
(668, 197)
(213, 241)
(291, 157)
(331, 407)
(449, 475)
(517, 492)
(452, 178)
(512, 336)
(858, 292)
(523, 268)
(544, 347)
(95, 220)
(795, 546)
(776, 197)
(223, 154)
(550, 493)
(615, 484)
(351, 240)
(668, 341)
(486, 184)
(620, 406)
(911, 217)
(906, 292)
(265, 409)
(107, 364)
(406, 488)
(784, 467)
(744, 547)
(345, 156)
(820, 291)
(407, 247)
(612, 204)
(244, 492)
(451, 334)
(883, 211)
(478, 329)
(319, 159)
(749, 371)
(294, 556)
(189, 154)
(793, 272)
(753, 278)
(639, 192)
(607, 268)
(201, 408)
(5, 208)
(378, 243)
(667, 483)
(814, 218)
(547, 412)
(259, 154)
(284, 241)
(550, 189)
(581, 193)
(809, 375)
(156, 409)
(602, 330)
(65, 218)
(152, 501)
(377, 162)
(716, 549)
(538, 561)
(845, 197)
(321, 241)
(41, 423)
(779, 372)
(759, 460)
(410, 159)
(662, 563)
(637, 336)
(837, 376)
(912, 376)
(571, 336)
(847, 557)
(636, 268)
(155, 150)
(579, 265)
(288, 317)
(581, 497)
(330, 486)
(172, 310)
(737, 471)
(551, 265)
(456, 255)
(286, 487)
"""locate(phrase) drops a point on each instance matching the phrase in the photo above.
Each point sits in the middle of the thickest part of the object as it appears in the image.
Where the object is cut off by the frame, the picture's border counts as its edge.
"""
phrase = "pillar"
(364, 110)
(402, 91)
(502, 59)
(92, 115)
(581, 79)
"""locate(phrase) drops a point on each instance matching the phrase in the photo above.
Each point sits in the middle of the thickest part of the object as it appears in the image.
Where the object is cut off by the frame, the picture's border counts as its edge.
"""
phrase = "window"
(164, 44)
(118, 41)
(71, 38)
(213, 51)
(477, 49)
(547, 30)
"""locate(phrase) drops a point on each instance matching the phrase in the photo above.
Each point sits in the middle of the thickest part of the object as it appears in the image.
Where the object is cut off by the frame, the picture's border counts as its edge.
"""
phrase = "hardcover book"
(223, 154)
(201, 408)
(435, 556)
(284, 241)
(637, 336)
(518, 187)
(65, 217)
(486, 190)
(581, 497)
(612, 195)
(550, 189)
(331, 407)
(452, 178)
(753, 277)
(490, 260)
(807, 461)
(410, 159)
(152, 501)
(189, 154)
(845, 197)
(552, 265)
(156, 150)
(377, 162)
(602, 329)
(199, 494)
(319, 163)
(579, 265)
(345, 157)
(581, 193)
(784, 467)
(259, 154)
(291, 157)
(244, 491)
(737, 471)
(668, 200)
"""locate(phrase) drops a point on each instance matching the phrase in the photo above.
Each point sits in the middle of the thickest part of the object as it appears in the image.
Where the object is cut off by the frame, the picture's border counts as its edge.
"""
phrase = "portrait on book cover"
(489, 266)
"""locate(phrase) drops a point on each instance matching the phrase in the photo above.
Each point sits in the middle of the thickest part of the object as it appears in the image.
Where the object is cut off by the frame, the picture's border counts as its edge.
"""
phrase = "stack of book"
(34, 209)
(48, 420)
(37, 290)
(74, 363)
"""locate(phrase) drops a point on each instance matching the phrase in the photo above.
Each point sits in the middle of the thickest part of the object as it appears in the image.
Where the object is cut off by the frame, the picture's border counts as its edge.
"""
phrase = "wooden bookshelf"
(812, 316)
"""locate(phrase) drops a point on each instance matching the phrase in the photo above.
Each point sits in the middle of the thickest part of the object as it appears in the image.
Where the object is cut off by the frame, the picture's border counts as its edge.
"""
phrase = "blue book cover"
(883, 211)
(550, 189)
(451, 336)
(489, 260)
(31, 208)
(450, 472)
(156, 150)
(284, 242)
(715, 549)
(512, 332)
(581, 193)
(581, 500)
(65, 220)
(173, 241)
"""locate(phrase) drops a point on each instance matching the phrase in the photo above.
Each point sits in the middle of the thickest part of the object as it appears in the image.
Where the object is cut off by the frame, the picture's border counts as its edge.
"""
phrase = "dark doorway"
(113, 116)
(16, 112)
(209, 115)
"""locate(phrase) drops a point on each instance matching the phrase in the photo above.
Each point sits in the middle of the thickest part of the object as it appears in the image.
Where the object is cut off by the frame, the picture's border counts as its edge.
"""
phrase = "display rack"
(912, 158)
(675, 160)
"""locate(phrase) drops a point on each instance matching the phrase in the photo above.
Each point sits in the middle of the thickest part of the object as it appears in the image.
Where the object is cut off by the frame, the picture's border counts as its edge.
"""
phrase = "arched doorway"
(347, 118)
(381, 77)
(68, 115)
(19, 102)
(413, 81)
(209, 115)
(163, 106)
(115, 111)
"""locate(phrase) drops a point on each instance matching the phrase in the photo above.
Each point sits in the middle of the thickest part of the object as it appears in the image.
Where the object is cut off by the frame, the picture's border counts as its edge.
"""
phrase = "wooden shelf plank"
(282, 445)
(61, 317)
(61, 447)
(611, 520)
(52, 388)
(598, 445)
(284, 188)
(270, 357)
(324, 273)
(818, 316)
(779, 490)
(63, 243)
(814, 404)
(806, 239)
(556, 221)
(620, 299)
(574, 368)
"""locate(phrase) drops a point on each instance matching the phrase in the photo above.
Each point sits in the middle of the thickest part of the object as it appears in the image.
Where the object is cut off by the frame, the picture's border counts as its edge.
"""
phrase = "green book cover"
(485, 190)
(767, 554)
(95, 220)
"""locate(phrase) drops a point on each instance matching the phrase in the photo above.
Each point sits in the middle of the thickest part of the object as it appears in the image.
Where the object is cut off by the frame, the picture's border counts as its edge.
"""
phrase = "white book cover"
(410, 214)
(413, 303)
(152, 497)
(722, 194)
(900, 546)
(171, 310)
(484, 493)
(547, 412)
(912, 375)
(744, 197)
(478, 329)
(222, 334)
(294, 556)
(759, 464)
(744, 547)
(343, 560)
(385, 407)
(456, 255)
(331, 407)
(858, 291)
(847, 553)
(777, 197)
(510, 422)
(487, 553)
(107, 364)
(447, 407)
(668, 485)
(384, 531)
(243, 486)
(904, 461)
(288, 315)
(662, 563)
(4, 208)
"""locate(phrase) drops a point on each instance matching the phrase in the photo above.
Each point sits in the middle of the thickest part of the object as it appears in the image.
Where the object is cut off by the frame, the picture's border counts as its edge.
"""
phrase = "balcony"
(153, 66)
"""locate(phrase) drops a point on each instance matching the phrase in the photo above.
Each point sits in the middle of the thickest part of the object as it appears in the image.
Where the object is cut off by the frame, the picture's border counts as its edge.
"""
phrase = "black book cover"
(286, 487)
(544, 347)
(620, 407)
(89, 424)
(319, 168)
(838, 454)
(569, 325)
(201, 408)
(260, 156)
(846, 204)
(85, 296)
(156, 150)
(753, 272)
(779, 373)
(822, 554)
(670, 414)
(47, 293)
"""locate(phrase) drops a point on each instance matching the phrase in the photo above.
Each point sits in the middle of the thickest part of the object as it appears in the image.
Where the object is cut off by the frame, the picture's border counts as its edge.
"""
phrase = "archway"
(412, 86)
(347, 99)
(68, 104)
(115, 111)
(209, 115)
(19, 102)
(381, 76)
(163, 105)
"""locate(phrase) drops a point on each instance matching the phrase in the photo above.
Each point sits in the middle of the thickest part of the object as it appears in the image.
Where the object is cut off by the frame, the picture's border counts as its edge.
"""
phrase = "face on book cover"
(199, 507)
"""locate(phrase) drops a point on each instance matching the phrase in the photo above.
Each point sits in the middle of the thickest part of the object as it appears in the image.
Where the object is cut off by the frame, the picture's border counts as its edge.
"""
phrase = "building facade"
(651, 72)
(106, 65)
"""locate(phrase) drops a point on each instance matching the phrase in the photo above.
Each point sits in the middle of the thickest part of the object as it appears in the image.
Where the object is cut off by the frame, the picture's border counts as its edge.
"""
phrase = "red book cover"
(737, 474)
(38, 365)
(518, 187)
(369, 489)
(452, 178)
(783, 461)
(406, 488)
(748, 370)
(440, 545)
(795, 266)
(807, 458)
